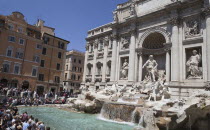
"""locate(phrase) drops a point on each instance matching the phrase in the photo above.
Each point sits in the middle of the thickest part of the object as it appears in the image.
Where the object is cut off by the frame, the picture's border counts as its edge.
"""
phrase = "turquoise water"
(64, 120)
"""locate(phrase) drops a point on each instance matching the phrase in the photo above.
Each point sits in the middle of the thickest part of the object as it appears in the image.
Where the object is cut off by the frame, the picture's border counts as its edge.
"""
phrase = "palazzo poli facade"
(173, 34)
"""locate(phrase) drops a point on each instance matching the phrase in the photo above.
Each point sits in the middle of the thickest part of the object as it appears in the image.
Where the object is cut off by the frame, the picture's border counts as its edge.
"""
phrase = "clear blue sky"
(71, 18)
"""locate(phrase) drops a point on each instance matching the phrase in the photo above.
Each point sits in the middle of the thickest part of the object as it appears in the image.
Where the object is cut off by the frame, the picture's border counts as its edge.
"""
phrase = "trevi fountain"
(150, 67)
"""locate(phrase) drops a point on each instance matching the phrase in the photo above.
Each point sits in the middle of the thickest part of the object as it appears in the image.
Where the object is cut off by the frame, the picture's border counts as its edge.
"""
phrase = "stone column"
(140, 67)
(131, 71)
(207, 14)
(85, 64)
(114, 58)
(94, 60)
(168, 66)
(175, 50)
(106, 43)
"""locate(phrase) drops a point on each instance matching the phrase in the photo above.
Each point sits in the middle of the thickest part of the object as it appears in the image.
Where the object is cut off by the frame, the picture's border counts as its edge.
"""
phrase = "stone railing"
(100, 55)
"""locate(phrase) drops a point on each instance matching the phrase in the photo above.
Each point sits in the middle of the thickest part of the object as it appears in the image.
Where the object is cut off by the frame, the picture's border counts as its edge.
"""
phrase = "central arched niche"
(154, 41)
(151, 44)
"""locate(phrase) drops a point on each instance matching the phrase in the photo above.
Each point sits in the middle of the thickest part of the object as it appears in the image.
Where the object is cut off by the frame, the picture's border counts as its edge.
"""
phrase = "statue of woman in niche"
(151, 66)
(193, 66)
(132, 8)
(115, 17)
(124, 70)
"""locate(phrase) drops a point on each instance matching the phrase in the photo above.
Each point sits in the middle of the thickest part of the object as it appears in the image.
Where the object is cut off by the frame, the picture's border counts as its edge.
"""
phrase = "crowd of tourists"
(10, 119)
(10, 98)
(15, 96)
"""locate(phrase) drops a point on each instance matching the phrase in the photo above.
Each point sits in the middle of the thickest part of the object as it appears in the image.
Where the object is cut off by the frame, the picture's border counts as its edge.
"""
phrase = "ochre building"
(31, 56)
(74, 68)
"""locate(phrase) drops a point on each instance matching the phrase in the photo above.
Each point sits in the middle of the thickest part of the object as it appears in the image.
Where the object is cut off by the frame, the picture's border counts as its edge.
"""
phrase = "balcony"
(108, 77)
(98, 78)
(88, 78)
(90, 57)
(100, 55)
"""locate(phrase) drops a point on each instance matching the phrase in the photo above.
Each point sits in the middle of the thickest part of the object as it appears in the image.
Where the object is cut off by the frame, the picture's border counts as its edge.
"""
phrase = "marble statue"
(192, 28)
(124, 70)
(132, 8)
(151, 67)
(115, 17)
(125, 43)
(193, 66)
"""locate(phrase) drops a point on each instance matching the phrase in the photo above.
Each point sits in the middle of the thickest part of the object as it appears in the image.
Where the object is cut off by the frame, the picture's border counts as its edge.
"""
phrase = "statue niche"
(194, 64)
(124, 69)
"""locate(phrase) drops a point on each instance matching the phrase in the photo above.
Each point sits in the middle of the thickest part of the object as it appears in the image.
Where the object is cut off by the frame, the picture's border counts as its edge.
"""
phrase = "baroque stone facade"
(174, 35)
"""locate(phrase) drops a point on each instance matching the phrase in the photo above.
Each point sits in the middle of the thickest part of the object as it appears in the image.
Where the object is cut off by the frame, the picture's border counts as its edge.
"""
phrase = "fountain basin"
(64, 120)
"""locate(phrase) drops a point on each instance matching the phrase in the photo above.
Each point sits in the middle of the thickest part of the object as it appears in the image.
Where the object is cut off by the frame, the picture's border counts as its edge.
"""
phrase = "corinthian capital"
(114, 36)
(175, 20)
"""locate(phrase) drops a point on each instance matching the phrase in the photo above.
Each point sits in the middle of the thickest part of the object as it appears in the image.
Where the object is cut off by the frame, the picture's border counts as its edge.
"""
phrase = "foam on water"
(100, 117)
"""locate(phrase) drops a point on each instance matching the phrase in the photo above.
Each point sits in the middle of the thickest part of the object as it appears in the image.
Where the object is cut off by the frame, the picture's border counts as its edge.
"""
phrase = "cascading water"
(141, 122)
(118, 112)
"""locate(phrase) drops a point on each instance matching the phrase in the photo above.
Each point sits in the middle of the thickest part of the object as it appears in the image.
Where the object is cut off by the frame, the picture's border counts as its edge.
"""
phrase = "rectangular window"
(21, 41)
(44, 51)
(20, 29)
(34, 71)
(41, 77)
(38, 46)
(9, 52)
(59, 55)
(6, 67)
(65, 76)
(80, 62)
(61, 45)
(57, 79)
(67, 67)
(11, 39)
(10, 26)
(16, 69)
(75, 60)
(46, 40)
(42, 63)
(19, 55)
(36, 59)
(58, 66)
(101, 45)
